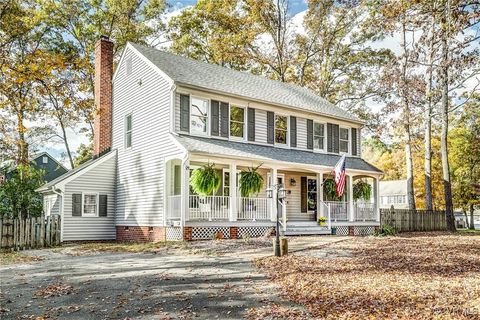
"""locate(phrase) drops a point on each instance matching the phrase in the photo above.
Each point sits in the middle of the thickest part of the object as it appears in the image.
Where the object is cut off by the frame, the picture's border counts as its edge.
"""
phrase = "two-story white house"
(160, 116)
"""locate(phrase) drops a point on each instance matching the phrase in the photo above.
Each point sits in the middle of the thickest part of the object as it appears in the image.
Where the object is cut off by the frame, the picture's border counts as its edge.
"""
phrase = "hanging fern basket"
(251, 182)
(362, 191)
(205, 180)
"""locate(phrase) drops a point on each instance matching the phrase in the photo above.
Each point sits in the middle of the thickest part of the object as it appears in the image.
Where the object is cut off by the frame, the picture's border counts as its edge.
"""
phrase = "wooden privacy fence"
(404, 220)
(34, 232)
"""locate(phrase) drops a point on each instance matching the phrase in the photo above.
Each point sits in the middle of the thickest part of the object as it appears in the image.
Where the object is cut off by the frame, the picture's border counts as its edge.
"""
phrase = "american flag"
(339, 172)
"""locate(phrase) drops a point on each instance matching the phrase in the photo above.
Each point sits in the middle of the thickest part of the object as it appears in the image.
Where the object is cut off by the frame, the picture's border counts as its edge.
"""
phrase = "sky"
(297, 10)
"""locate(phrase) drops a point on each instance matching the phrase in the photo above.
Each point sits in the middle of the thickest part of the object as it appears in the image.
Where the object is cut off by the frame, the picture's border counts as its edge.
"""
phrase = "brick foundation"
(140, 234)
(233, 233)
(187, 234)
(351, 231)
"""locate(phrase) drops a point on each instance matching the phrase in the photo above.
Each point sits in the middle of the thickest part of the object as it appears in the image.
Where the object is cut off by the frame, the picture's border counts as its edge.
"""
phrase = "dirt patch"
(8, 258)
(409, 277)
(226, 246)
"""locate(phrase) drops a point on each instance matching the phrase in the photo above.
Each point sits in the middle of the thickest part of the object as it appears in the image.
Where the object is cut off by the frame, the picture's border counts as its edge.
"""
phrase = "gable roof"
(201, 75)
(393, 187)
(44, 153)
(263, 153)
(84, 167)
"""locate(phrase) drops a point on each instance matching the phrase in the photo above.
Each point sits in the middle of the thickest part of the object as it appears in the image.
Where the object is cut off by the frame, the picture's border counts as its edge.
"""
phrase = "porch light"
(293, 182)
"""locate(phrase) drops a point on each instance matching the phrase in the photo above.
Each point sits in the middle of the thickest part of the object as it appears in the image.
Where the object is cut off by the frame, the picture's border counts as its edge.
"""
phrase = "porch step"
(309, 228)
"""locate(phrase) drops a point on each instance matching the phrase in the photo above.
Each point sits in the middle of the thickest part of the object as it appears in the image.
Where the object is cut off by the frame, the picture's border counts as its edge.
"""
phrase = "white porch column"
(351, 213)
(233, 192)
(376, 196)
(185, 191)
(273, 203)
(320, 206)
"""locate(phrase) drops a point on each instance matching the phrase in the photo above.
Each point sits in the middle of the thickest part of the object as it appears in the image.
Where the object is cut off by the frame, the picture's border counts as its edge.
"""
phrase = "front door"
(311, 194)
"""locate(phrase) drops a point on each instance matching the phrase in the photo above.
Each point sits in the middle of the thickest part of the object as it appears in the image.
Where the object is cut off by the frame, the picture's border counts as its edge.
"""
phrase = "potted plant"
(251, 182)
(205, 180)
(322, 221)
(330, 189)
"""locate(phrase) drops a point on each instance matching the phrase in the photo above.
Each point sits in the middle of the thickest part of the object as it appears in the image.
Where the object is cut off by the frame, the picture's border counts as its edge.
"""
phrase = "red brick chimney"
(102, 137)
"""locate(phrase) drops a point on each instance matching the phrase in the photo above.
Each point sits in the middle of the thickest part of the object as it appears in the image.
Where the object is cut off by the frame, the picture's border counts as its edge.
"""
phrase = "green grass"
(13, 257)
(476, 231)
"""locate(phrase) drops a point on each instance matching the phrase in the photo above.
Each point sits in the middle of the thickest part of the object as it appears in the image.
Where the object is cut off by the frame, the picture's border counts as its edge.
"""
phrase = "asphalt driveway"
(165, 285)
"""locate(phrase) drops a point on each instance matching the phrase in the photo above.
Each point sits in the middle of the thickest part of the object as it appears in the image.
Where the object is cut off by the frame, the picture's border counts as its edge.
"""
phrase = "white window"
(45, 159)
(198, 116)
(344, 139)
(128, 131)
(281, 129)
(319, 136)
(237, 122)
(89, 205)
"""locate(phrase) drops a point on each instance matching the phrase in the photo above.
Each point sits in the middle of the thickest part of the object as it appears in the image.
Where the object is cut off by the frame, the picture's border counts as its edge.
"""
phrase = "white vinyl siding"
(140, 178)
(301, 133)
(98, 180)
(260, 126)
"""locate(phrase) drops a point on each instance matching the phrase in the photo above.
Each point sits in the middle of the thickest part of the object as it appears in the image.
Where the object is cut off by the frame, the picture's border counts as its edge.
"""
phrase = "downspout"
(62, 216)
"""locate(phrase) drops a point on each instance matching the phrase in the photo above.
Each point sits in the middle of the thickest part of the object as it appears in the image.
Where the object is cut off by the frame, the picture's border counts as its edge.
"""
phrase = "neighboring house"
(52, 168)
(393, 193)
(166, 115)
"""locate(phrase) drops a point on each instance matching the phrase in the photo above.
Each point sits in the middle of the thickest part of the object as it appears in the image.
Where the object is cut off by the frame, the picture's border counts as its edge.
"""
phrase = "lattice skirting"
(253, 232)
(363, 230)
(174, 233)
(342, 231)
(208, 233)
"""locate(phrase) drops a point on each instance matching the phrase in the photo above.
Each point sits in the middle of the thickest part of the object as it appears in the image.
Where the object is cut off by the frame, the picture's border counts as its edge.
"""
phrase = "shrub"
(384, 231)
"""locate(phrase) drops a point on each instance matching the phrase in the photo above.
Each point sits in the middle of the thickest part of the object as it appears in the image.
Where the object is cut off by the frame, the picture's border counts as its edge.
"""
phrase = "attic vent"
(128, 66)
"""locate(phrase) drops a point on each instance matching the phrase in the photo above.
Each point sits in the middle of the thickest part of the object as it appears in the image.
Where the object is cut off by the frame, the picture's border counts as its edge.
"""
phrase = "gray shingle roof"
(260, 152)
(220, 79)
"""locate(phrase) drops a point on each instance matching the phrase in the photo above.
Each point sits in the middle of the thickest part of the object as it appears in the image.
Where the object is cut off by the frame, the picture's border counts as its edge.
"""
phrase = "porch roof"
(268, 153)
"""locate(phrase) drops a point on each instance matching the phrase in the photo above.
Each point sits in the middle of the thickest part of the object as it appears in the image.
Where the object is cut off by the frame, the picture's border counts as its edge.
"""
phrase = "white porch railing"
(253, 208)
(338, 210)
(208, 207)
(364, 211)
(326, 209)
(174, 205)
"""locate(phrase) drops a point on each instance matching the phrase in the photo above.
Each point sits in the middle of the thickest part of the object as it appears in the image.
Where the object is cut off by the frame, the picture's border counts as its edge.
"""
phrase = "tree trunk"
(444, 135)
(22, 157)
(472, 220)
(428, 124)
(406, 123)
(67, 146)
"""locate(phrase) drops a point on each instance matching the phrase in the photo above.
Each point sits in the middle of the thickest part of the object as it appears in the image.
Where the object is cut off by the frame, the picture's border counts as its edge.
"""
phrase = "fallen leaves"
(54, 290)
(419, 276)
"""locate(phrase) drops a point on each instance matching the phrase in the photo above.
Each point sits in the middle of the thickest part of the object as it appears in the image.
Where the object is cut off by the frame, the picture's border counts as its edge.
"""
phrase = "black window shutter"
(184, 113)
(251, 124)
(309, 134)
(215, 118)
(102, 207)
(329, 137)
(354, 141)
(270, 127)
(224, 120)
(293, 131)
(336, 138)
(303, 194)
(77, 205)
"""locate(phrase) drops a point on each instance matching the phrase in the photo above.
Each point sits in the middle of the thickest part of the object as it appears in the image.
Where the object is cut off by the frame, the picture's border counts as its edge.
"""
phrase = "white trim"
(125, 131)
(233, 138)
(89, 193)
(209, 115)
(275, 143)
(147, 61)
(324, 150)
(61, 184)
(349, 148)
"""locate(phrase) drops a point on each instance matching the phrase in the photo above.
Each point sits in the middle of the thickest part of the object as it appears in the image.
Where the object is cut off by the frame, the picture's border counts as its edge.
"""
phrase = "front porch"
(305, 202)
